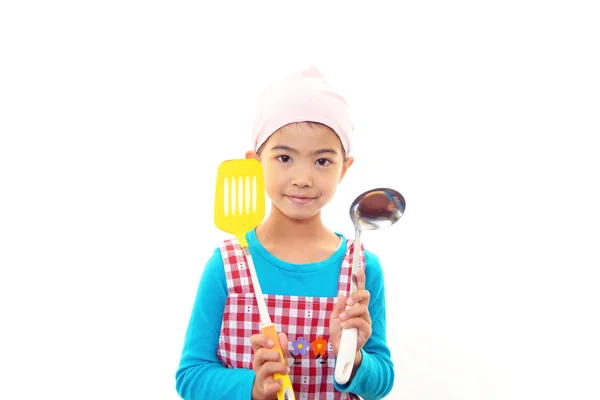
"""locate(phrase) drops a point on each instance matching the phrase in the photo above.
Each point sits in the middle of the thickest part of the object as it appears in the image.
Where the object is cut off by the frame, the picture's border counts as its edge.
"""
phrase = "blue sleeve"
(200, 374)
(374, 377)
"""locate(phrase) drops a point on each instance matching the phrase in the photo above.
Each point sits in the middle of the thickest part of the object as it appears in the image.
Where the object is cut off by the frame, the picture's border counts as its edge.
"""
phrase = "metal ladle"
(374, 209)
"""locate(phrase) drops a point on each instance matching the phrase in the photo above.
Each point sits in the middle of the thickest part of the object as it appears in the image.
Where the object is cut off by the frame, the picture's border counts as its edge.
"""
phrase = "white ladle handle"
(349, 340)
(346, 356)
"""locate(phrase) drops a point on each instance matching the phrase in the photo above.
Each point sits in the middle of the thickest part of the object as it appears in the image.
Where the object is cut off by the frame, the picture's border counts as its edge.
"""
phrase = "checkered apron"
(305, 320)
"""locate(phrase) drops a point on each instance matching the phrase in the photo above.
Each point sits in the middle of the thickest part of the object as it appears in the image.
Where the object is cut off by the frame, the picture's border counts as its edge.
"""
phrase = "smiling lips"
(300, 199)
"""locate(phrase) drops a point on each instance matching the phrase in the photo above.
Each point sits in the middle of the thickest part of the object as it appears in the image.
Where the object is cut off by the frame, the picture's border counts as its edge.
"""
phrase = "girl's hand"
(266, 363)
(357, 316)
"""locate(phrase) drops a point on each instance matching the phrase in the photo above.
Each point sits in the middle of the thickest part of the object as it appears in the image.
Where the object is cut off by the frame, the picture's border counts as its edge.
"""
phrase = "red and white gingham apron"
(305, 320)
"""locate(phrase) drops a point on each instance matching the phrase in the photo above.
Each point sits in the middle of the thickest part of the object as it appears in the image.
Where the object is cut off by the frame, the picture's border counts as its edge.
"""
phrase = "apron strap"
(237, 273)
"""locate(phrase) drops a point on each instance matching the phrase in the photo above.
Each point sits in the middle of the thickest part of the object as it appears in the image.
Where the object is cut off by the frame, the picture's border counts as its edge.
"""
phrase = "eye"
(284, 159)
(323, 162)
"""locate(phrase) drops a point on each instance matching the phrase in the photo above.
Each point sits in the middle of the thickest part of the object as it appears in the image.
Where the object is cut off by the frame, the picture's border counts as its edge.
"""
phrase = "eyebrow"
(291, 150)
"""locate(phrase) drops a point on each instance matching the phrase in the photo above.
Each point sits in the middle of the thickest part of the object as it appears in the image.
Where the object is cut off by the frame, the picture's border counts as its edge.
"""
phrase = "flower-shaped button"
(319, 347)
(299, 346)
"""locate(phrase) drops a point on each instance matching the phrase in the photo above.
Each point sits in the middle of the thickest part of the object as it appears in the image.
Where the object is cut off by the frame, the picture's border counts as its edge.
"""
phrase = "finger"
(259, 341)
(360, 296)
(267, 370)
(339, 307)
(270, 388)
(284, 345)
(358, 323)
(268, 385)
(358, 311)
(263, 356)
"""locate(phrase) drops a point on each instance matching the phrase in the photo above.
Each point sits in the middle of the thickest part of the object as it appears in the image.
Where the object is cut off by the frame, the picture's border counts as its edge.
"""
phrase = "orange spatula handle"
(286, 392)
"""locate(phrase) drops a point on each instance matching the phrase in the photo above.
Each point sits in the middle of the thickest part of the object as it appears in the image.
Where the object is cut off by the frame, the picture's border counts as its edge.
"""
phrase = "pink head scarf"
(304, 96)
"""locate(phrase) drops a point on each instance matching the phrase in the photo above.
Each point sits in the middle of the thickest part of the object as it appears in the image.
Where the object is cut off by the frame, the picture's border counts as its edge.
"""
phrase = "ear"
(252, 155)
(347, 164)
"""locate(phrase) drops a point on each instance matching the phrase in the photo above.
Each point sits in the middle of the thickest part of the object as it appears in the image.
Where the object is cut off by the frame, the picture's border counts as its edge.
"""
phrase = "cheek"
(330, 180)
(273, 178)
(335, 174)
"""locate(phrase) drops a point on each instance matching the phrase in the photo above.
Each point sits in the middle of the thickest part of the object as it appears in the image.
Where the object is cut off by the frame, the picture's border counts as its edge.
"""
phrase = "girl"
(302, 139)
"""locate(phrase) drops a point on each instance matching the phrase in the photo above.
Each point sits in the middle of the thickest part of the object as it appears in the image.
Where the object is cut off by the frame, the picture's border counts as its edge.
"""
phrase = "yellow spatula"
(239, 208)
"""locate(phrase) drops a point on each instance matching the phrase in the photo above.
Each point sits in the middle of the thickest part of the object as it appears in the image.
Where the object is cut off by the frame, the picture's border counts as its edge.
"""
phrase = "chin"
(298, 214)
(303, 217)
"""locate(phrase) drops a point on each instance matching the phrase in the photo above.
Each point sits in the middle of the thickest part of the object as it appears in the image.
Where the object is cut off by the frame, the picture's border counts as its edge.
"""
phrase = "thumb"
(339, 307)
(283, 341)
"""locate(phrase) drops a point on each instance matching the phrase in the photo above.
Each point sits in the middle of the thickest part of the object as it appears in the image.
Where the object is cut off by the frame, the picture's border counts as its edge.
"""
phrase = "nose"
(302, 177)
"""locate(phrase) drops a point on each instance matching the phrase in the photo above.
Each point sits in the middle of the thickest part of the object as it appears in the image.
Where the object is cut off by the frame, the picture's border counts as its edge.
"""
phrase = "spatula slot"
(254, 194)
(247, 198)
(241, 192)
(226, 198)
(234, 194)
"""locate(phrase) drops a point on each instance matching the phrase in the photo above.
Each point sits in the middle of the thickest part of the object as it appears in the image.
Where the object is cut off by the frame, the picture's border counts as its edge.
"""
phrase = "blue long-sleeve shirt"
(202, 376)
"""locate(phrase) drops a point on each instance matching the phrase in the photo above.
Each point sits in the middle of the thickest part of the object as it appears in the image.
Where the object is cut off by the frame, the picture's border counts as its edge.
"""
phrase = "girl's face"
(303, 164)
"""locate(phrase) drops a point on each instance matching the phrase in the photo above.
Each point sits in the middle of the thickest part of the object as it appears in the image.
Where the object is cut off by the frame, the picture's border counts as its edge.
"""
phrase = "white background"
(485, 115)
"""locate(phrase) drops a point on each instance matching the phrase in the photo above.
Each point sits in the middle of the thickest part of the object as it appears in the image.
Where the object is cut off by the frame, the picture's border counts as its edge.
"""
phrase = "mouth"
(300, 199)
